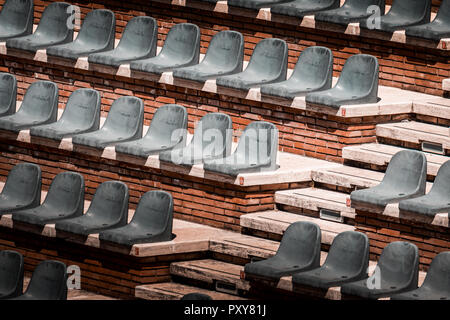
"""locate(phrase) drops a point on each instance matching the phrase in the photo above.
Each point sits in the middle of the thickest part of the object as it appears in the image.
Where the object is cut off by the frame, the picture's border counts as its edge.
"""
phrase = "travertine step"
(315, 199)
(438, 107)
(175, 291)
(416, 133)
(224, 276)
(381, 154)
(277, 222)
(348, 177)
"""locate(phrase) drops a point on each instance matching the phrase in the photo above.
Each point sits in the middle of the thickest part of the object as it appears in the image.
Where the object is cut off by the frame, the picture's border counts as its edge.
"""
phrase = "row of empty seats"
(346, 266)
(166, 136)
(107, 213)
(223, 60)
(405, 182)
(410, 15)
(48, 282)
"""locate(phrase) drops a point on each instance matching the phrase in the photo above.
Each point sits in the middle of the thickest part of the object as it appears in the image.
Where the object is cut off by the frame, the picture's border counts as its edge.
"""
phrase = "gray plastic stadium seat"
(224, 56)
(16, 19)
(212, 139)
(181, 49)
(22, 189)
(138, 41)
(436, 285)
(313, 72)
(123, 123)
(404, 13)
(195, 296)
(256, 151)
(405, 178)
(81, 114)
(65, 199)
(39, 106)
(301, 8)
(437, 29)
(152, 221)
(167, 131)
(268, 64)
(48, 282)
(11, 274)
(350, 12)
(108, 209)
(398, 272)
(346, 261)
(97, 34)
(52, 30)
(299, 251)
(357, 84)
(8, 94)
(255, 4)
(435, 201)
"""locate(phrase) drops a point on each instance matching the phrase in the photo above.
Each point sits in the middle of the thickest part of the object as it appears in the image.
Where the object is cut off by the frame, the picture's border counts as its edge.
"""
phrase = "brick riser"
(102, 271)
(383, 230)
(195, 199)
(404, 66)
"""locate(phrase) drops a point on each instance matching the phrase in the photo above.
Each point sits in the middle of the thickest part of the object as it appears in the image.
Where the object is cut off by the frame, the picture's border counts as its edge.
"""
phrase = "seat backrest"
(140, 36)
(11, 272)
(182, 42)
(41, 101)
(399, 264)
(408, 169)
(213, 134)
(98, 28)
(54, 20)
(226, 50)
(364, 4)
(441, 186)
(269, 59)
(438, 275)
(443, 14)
(24, 183)
(169, 124)
(349, 253)
(49, 281)
(8, 93)
(315, 67)
(259, 142)
(126, 116)
(360, 75)
(110, 202)
(155, 210)
(18, 15)
(66, 193)
(82, 109)
(301, 241)
(413, 9)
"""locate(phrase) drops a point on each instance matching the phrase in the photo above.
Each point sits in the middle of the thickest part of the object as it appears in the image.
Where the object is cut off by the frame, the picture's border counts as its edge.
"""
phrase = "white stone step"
(315, 199)
(277, 222)
(415, 132)
(434, 107)
(175, 291)
(213, 272)
(381, 154)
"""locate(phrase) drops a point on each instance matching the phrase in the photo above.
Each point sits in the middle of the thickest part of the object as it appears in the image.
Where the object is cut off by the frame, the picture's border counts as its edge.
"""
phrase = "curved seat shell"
(11, 274)
(350, 12)
(65, 199)
(8, 94)
(52, 30)
(16, 19)
(438, 29)
(152, 221)
(299, 251)
(139, 40)
(405, 178)
(81, 115)
(301, 8)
